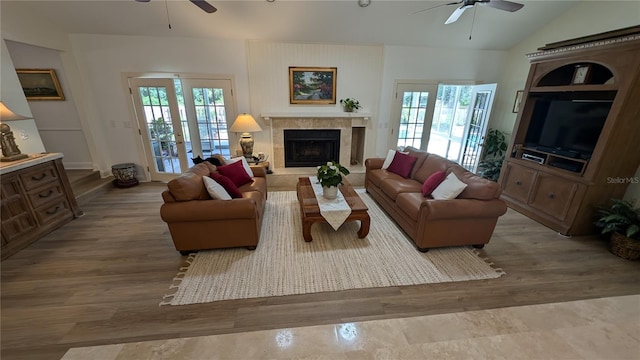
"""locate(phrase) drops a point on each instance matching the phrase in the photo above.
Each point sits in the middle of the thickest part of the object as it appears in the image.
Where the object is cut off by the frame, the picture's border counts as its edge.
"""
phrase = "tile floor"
(607, 328)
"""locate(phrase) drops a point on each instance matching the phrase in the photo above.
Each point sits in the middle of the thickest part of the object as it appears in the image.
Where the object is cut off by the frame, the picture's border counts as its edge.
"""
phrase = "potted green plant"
(622, 222)
(495, 146)
(350, 105)
(330, 176)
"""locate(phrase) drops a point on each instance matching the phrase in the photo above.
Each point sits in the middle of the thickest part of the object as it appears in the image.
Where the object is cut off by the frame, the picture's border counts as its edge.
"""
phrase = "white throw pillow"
(215, 190)
(245, 164)
(389, 159)
(449, 189)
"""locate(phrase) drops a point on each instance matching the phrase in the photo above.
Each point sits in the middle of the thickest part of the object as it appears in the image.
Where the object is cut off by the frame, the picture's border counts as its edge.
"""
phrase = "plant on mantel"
(350, 104)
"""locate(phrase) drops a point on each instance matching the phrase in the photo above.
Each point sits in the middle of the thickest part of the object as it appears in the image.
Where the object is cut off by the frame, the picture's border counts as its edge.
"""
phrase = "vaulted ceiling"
(388, 22)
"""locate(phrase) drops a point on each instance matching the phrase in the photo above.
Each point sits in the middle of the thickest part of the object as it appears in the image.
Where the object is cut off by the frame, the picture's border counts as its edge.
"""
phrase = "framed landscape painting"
(312, 85)
(40, 84)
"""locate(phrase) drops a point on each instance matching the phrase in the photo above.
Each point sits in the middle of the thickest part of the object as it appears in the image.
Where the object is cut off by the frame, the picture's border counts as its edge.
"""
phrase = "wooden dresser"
(36, 198)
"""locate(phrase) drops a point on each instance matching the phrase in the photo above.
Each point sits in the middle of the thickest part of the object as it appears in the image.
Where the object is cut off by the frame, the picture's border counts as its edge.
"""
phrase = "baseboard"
(80, 165)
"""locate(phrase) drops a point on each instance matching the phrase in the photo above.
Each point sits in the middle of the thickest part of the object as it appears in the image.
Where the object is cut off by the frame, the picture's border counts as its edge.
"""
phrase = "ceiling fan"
(202, 4)
(466, 4)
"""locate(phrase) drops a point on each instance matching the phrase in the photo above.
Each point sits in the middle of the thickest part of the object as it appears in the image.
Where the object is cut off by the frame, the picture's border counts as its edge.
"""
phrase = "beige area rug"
(284, 264)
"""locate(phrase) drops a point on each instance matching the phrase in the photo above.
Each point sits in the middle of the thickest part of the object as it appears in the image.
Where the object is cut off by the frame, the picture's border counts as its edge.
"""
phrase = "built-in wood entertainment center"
(576, 141)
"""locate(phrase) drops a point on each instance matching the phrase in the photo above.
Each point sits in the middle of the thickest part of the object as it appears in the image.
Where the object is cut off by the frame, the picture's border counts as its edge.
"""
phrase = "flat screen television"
(571, 127)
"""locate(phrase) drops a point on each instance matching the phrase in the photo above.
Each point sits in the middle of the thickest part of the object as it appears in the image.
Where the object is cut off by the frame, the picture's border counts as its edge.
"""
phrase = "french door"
(180, 119)
(476, 125)
(413, 105)
(448, 120)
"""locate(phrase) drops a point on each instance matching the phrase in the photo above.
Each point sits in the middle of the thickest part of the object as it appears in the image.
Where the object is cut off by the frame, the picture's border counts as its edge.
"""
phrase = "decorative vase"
(125, 175)
(348, 109)
(330, 192)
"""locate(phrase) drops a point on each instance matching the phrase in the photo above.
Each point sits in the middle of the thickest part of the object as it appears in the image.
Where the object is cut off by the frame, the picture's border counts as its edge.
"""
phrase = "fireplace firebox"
(307, 148)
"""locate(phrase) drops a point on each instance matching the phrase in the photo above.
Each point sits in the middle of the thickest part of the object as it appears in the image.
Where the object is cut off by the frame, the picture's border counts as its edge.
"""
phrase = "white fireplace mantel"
(289, 115)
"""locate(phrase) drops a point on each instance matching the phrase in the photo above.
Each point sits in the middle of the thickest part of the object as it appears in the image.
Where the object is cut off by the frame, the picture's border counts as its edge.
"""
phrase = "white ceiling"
(311, 21)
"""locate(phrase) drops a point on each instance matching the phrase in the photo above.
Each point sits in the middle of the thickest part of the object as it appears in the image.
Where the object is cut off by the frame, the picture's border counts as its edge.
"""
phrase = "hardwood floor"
(99, 279)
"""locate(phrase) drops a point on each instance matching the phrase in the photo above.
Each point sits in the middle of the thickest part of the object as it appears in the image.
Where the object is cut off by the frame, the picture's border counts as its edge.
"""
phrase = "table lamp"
(10, 151)
(246, 124)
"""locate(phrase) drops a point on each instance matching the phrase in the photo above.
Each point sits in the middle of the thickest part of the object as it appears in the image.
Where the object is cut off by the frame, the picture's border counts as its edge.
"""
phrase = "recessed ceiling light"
(271, 0)
(364, 3)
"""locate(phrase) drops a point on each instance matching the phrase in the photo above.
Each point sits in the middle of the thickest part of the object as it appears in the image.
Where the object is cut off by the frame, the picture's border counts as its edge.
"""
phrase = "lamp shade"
(245, 123)
(6, 114)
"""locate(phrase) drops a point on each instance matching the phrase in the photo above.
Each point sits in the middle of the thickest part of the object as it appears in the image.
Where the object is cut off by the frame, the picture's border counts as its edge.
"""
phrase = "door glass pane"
(212, 121)
(449, 117)
(476, 130)
(414, 104)
(184, 124)
(160, 128)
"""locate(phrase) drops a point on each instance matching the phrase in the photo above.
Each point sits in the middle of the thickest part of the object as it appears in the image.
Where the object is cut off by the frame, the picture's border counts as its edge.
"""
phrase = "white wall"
(587, 18)
(402, 63)
(11, 94)
(26, 27)
(359, 69)
(57, 121)
(104, 60)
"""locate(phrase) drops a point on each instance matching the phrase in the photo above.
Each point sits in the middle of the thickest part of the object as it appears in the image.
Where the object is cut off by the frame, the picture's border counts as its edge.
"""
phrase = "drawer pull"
(518, 182)
(36, 178)
(552, 195)
(51, 212)
(47, 195)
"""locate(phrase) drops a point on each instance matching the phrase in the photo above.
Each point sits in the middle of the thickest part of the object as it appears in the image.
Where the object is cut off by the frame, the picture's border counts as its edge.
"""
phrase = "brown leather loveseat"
(468, 219)
(198, 222)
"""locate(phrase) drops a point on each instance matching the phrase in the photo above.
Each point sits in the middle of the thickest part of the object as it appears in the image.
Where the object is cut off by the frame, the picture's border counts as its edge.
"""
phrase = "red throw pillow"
(236, 173)
(432, 182)
(402, 164)
(227, 184)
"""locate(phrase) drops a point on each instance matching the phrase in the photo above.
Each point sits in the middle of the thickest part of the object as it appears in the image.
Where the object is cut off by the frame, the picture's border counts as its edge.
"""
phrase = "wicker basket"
(624, 247)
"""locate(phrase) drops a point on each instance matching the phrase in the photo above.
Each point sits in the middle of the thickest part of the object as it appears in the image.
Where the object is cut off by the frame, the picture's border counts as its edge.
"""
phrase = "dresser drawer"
(553, 195)
(45, 194)
(518, 182)
(17, 219)
(54, 212)
(38, 176)
(17, 226)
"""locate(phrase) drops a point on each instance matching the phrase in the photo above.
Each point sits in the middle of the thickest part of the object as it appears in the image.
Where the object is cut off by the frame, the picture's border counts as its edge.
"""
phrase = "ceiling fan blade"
(202, 4)
(143, 0)
(456, 14)
(437, 6)
(503, 5)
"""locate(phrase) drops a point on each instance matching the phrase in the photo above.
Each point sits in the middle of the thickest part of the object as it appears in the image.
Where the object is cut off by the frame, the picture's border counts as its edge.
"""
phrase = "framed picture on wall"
(312, 85)
(40, 84)
(517, 101)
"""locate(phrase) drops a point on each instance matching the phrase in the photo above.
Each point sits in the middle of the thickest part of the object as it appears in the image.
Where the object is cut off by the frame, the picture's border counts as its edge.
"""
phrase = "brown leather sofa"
(198, 222)
(468, 219)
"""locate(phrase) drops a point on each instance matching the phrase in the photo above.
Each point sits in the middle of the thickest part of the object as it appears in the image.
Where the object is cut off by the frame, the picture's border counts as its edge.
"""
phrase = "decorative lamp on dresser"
(36, 198)
(577, 132)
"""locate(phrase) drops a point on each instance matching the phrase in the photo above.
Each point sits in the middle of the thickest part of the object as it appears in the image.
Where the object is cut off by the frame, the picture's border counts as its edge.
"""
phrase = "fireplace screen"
(307, 148)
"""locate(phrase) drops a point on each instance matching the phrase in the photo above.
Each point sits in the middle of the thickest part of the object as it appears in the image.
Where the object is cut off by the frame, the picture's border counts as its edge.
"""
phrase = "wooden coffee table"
(310, 211)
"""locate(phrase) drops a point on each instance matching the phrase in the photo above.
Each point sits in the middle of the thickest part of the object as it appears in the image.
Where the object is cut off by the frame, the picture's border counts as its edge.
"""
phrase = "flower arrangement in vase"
(330, 176)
